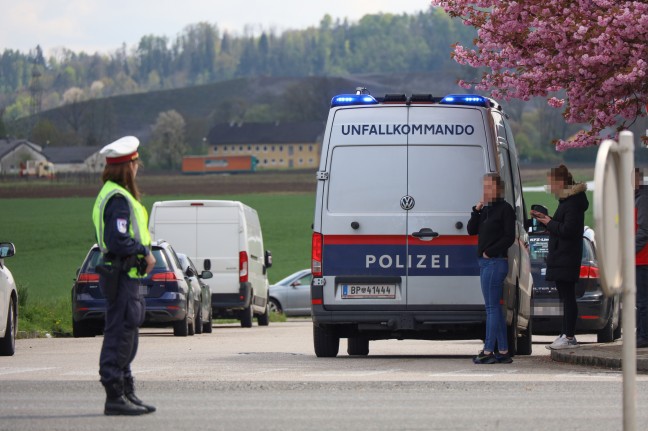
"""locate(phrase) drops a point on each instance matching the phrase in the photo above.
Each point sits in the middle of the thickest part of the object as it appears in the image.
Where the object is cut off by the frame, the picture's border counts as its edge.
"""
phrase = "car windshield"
(291, 278)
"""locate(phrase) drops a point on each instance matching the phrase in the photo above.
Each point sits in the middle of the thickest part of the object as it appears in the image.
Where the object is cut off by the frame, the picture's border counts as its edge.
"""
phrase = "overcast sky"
(103, 25)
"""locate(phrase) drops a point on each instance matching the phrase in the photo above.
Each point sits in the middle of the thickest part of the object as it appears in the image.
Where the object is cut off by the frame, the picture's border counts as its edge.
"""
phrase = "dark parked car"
(169, 296)
(596, 312)
(202, 301)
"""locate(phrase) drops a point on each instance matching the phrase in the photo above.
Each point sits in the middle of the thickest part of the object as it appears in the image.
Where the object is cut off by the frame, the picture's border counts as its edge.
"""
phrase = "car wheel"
(617, 330)
(198, 327)
(181, 327)
(358, 346)
(82, 329)
(246, 317)
(264, 319)
(606, 334)
(8, 342)
(274, 306)
(325, 341)
(207, 326)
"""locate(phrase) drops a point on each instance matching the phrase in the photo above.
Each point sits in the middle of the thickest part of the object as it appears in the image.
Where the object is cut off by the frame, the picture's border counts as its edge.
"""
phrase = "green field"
(52, 237)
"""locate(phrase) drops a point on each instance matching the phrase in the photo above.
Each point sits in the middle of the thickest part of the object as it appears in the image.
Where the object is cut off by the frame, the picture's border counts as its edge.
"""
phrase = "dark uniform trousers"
(124, 316)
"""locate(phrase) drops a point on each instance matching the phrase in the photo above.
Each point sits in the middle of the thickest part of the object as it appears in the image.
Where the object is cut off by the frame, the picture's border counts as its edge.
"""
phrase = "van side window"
(505, 137)
(505, 173)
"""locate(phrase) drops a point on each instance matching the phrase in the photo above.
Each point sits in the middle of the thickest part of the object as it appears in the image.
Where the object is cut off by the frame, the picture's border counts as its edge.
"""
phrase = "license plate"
(368, 291)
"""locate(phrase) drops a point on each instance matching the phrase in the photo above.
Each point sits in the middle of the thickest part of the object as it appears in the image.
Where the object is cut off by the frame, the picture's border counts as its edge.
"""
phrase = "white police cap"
(121, 151)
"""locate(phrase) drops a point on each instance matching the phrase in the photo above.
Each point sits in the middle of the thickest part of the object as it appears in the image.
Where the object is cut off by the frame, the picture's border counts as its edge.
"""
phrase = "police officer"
(121, 226)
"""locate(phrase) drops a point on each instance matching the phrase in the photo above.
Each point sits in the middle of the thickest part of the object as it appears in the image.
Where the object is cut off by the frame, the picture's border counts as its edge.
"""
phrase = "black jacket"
(495, 224)
(566, 236)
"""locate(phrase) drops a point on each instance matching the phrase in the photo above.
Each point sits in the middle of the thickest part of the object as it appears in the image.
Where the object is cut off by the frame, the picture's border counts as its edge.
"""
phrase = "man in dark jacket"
(565, 247)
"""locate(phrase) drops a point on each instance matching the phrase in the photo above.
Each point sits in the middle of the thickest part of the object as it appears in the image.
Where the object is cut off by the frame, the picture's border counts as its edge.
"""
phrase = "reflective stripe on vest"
(138, 229)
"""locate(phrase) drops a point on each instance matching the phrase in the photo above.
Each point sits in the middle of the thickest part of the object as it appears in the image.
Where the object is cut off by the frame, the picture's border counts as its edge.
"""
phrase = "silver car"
(291, 295)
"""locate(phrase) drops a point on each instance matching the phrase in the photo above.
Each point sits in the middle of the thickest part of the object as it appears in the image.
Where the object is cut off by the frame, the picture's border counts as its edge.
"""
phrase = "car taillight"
(589, 272)
(85, 277)
(316, 254)
(243, 267)
(164, 276)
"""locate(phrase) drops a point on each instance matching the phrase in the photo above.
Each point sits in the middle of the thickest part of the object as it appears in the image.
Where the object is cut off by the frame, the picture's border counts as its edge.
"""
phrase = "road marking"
(474, 373)
(352, 373)
(6, 371)
(264, 371)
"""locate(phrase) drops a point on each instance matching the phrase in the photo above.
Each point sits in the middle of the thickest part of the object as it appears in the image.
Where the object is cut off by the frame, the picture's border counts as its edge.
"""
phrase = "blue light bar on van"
(465, 99)
(353, 99)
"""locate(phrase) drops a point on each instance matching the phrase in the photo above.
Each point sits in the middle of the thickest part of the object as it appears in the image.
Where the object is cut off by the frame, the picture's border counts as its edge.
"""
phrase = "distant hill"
(288, 98)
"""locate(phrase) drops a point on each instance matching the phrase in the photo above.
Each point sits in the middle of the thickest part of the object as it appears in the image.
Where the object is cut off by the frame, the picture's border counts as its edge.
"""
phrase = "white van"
(223, 237)
(391, 256)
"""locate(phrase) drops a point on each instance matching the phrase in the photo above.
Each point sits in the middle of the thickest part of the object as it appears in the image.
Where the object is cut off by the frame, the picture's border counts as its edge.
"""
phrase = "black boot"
(129, 392)
(117, 403)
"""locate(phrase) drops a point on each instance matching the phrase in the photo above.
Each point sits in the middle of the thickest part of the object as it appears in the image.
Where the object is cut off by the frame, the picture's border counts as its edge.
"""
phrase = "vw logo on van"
(407, 202)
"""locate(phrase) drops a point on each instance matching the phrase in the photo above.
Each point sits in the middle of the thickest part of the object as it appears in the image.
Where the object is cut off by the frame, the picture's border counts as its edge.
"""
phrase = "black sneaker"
(503, 358)
(482, 358)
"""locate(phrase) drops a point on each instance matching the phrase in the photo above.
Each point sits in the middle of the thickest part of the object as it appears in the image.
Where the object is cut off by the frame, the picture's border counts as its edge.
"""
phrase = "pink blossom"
(594, 51)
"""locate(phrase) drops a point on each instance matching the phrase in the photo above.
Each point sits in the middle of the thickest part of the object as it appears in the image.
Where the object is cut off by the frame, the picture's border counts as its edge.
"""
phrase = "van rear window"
(367, 179)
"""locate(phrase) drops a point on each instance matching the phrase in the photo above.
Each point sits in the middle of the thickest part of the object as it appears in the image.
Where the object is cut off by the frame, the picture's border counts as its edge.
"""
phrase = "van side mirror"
(207, 265)
(268, 259)
(206, 275)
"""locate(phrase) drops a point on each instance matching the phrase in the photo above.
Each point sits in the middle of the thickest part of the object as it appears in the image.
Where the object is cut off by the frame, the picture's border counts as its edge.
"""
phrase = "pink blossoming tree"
(588, 56)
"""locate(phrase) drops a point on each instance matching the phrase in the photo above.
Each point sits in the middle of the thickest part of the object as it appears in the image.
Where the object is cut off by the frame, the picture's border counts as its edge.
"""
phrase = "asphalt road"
(267, 378)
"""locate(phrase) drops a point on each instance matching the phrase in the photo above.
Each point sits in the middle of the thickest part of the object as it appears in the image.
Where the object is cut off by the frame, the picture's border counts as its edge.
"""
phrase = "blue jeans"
(642, 302)
(492, 273)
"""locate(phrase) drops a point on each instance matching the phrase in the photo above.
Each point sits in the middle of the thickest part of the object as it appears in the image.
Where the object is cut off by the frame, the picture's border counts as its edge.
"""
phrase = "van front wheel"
(264, 319)
(326, 342)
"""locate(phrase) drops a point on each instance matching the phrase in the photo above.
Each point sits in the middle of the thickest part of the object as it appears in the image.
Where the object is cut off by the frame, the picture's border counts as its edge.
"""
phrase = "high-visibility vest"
(641, 258)
(138, 229)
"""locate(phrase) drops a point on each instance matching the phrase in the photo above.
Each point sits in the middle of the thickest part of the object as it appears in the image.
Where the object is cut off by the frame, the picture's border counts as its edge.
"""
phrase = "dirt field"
(212, 185)
(156, 184)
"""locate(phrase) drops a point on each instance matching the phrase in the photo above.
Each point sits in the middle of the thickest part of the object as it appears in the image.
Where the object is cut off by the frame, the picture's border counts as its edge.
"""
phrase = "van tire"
(358, 346)
(181, 327)
(247, 314)
(525, 342)
(207, 326)
(325, 341)
(8, 342)
(264, 319)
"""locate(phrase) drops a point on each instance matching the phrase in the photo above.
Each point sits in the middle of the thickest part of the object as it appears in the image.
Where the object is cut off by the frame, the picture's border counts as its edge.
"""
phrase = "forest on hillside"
(69, 98)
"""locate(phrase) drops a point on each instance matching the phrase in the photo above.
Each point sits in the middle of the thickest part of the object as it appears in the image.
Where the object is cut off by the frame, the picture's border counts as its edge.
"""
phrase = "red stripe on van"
(399, 240)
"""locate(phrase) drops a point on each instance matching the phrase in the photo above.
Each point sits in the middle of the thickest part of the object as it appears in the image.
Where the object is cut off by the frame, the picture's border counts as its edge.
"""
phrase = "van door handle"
(425, 232)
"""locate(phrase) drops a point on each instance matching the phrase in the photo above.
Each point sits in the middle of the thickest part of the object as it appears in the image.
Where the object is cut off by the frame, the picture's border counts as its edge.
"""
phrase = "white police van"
(391, 256)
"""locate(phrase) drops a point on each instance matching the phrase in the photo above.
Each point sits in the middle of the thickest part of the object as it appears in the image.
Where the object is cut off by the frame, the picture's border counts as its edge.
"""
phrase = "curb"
(600, 355)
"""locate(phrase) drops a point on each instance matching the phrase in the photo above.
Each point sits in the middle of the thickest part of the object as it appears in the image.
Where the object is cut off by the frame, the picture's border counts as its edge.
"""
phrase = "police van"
(391, 256)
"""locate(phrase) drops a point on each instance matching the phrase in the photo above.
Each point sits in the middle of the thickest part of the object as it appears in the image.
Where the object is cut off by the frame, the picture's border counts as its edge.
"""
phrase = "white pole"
(627, 233)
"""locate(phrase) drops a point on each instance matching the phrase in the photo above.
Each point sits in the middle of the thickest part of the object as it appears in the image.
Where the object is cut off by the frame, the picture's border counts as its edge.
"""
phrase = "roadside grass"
(52, 237)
